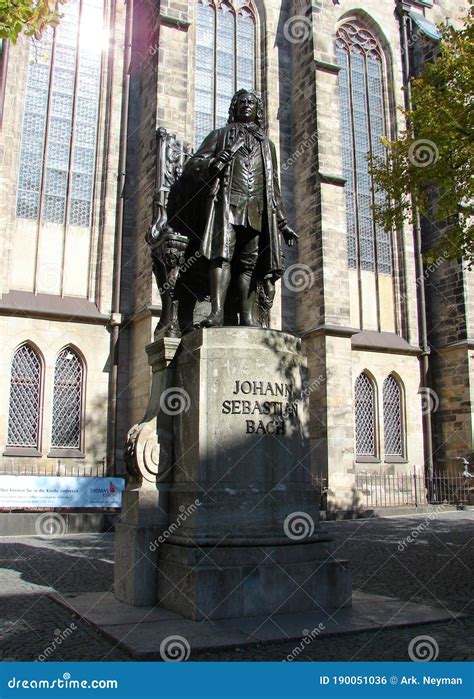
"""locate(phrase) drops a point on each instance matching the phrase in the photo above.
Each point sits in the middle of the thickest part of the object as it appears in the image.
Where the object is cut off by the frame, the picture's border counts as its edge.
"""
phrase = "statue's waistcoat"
(247, 187)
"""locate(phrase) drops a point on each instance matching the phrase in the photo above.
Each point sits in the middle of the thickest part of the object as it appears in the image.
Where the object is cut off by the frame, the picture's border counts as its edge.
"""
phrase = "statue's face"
(246, 108)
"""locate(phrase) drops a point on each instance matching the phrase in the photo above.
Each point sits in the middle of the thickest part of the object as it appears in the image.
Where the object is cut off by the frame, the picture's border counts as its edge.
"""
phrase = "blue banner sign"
(62, 491)
(237, 680)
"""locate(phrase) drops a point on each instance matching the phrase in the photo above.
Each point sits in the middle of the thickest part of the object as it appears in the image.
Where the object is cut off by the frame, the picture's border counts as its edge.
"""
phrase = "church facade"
(389, 341)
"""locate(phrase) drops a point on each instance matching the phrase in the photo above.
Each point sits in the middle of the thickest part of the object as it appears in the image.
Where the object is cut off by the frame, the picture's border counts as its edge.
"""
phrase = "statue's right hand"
(222, 158)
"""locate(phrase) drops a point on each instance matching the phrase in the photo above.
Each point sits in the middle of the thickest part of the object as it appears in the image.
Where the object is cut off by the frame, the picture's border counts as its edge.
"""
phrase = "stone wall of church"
(344, 470)
(319, 298)
(299, 83)
(10, 136)
(137, 279)
(450, 304)
(453, 372)
(327, 297)
(65, 294)
(445, 284)
(298, 78)
(49, 337)
(49, 259)
(327, 303)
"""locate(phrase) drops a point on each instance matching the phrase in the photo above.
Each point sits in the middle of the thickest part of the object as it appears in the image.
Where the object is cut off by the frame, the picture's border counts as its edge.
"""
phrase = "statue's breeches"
(243, 247)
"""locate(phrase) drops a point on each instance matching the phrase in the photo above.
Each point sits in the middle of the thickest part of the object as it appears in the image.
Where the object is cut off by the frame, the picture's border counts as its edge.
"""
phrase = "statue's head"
(246, 107)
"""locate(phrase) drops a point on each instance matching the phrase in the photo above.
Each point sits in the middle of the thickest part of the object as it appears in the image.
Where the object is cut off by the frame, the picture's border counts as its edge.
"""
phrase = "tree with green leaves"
(429, 169)
(29, 16)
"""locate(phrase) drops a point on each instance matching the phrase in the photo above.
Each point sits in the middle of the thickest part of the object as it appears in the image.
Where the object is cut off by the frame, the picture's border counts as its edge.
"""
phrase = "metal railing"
(413, 490)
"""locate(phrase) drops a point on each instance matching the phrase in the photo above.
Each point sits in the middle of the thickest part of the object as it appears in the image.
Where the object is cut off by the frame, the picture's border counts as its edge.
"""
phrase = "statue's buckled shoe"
(215, 320)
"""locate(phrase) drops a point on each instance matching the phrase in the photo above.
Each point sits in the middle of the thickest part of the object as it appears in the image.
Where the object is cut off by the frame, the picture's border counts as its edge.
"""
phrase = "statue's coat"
(215, 225)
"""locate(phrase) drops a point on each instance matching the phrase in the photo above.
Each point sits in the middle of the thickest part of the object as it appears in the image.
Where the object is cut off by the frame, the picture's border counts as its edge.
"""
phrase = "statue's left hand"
(289, 235)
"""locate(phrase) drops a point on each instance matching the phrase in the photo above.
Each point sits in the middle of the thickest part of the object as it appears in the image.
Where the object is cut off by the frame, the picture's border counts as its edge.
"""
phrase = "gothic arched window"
(392, 417)
(225, 59)
(25, 399)
(67, 401)
(59, 134)
(363, 123)
(365, 417)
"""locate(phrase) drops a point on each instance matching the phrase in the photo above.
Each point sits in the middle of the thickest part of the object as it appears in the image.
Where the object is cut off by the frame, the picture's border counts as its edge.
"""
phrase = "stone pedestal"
(141, 523)
(144, 517)
(243, 534)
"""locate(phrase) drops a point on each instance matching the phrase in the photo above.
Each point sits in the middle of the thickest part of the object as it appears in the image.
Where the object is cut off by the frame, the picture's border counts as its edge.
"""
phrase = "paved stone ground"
(34, 627)
(435, 568)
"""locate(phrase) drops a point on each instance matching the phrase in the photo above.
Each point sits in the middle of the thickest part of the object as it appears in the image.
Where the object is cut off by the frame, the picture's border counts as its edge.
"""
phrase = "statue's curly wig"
(233, 106)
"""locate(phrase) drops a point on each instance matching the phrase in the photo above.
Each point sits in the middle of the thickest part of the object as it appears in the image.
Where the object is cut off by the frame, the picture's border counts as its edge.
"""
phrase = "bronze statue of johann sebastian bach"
(240, 217)
(227, 206)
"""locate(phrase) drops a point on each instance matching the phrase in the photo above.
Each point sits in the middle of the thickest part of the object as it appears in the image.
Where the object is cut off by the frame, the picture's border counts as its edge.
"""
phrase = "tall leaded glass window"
(365, 417)
(59, 135)
(67, 401)
(392, 417)
(225, 59)
(25, 399)
(363, 123)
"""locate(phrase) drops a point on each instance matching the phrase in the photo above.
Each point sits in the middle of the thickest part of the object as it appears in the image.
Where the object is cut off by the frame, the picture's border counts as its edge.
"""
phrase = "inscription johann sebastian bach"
(267, 416)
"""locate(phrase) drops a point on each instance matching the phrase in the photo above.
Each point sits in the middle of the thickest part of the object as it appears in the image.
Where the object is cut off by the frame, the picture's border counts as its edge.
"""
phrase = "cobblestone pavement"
(435, 568)
(33, 626)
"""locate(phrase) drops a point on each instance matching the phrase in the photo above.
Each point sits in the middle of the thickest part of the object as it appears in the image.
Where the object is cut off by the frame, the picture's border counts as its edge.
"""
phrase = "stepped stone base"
(239, 581)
